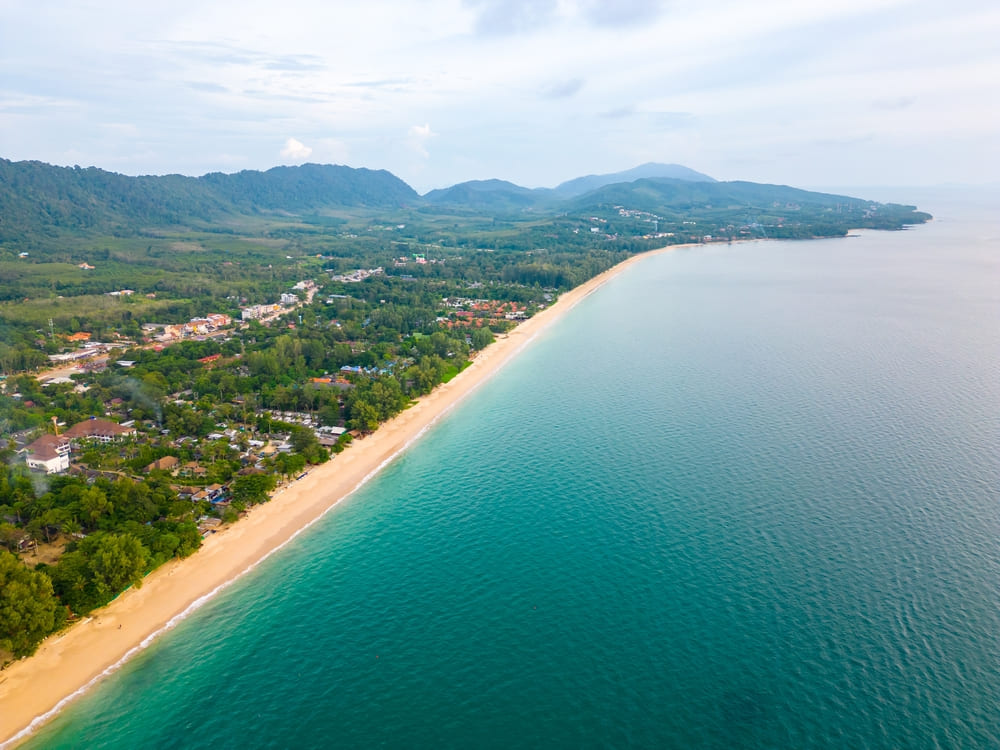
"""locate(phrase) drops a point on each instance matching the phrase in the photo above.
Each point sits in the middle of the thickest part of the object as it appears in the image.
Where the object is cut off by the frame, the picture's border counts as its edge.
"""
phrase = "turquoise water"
(743, 496)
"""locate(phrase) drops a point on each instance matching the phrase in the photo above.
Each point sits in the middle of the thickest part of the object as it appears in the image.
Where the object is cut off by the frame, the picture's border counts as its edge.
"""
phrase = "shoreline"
(67, 664)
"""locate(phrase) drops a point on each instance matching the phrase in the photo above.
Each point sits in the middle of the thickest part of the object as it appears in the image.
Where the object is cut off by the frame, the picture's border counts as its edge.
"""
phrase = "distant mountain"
(490, 195)
(40, 204)
(823, 214)
(500, 196)
(581, 185)
(311, 186)
(681, 195)
(37, 198)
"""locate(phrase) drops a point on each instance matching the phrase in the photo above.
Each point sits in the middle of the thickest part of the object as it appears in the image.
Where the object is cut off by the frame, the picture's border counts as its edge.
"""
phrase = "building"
(101, 430)
(49, 453)
(256, 312)
(167, 463)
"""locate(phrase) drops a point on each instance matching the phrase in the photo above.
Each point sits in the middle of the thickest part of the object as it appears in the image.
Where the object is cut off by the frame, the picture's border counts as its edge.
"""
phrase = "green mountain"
(43, 205)
(37, 198)
(311, 186)
(489, 195)
(581, 185)
(748, 203)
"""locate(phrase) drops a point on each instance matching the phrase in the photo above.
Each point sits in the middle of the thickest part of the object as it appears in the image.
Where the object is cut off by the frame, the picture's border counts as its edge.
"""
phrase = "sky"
(799, 92)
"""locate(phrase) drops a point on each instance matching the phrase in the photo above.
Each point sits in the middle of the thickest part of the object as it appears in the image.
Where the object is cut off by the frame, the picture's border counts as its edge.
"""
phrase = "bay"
(742, 496)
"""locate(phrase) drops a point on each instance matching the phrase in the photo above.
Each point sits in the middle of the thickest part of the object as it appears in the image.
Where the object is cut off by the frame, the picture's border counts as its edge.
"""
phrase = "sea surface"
(743, 496)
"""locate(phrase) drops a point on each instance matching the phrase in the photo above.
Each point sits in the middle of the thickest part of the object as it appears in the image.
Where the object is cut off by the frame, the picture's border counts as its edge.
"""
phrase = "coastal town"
(150, 443)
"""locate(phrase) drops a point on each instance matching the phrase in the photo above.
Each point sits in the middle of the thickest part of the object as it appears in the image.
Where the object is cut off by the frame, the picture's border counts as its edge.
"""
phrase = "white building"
(49, 453)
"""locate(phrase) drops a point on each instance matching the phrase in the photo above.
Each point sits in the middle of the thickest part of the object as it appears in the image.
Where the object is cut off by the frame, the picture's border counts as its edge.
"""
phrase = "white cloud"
(419, 135)
(295, 150)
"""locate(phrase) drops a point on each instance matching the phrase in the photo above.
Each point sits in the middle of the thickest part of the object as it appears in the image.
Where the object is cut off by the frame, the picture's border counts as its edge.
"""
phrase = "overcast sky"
(802, 92)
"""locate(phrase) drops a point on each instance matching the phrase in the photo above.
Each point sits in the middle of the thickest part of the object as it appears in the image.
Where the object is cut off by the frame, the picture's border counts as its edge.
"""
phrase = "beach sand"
(33, 690)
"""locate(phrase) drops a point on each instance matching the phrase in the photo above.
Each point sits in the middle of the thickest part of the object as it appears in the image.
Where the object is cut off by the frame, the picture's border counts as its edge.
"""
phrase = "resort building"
(49, 453)
(101, 430)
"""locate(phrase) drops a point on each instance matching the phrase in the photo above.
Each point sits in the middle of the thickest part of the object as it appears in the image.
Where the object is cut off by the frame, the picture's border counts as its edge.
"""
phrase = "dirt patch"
(46, 553)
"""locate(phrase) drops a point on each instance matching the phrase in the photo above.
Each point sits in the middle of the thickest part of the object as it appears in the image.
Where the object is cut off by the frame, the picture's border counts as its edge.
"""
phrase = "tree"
(252, 488)
(303, 439)
(29, 610)
(94, 504)
(289, 464)
(365, 416)
(98, 570)
(481, 338)
(116, 561)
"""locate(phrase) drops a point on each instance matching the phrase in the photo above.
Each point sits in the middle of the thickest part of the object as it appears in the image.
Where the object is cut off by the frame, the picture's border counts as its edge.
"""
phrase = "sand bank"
(67, 664)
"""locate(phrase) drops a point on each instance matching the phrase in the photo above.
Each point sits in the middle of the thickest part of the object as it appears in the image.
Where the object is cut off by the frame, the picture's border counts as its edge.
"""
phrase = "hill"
(581, 185)
(41, 199)
(43, 206)
(489, 195)
(746, 203)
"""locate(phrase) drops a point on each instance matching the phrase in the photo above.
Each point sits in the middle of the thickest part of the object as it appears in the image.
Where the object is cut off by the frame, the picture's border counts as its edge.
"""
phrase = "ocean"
(743, 495)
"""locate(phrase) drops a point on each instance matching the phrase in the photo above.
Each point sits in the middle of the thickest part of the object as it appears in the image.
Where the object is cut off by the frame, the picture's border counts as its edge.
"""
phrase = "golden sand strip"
(34, 689)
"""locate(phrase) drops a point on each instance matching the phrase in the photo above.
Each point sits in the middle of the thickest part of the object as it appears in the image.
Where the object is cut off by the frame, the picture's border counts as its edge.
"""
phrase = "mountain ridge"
(39, 200)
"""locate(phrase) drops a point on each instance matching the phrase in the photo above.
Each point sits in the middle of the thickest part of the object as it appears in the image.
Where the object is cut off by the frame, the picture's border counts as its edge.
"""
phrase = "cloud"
(295, 63)
(502, 17)
(418, 137)
(295, 150)
(621, 12)
(896, 103)
(672, 120)
(391, 84)
(563, 89)
(207, 87)
(332, 150)
(619, 112)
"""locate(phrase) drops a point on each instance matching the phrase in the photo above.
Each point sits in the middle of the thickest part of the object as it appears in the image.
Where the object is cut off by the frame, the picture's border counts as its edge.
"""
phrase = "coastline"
(33, 690)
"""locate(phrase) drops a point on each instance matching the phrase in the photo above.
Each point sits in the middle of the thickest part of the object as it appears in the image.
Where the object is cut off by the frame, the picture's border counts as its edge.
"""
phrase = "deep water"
(742, 496)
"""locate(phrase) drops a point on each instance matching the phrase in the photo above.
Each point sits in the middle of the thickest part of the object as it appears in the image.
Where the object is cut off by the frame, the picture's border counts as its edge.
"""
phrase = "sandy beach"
(67, 664)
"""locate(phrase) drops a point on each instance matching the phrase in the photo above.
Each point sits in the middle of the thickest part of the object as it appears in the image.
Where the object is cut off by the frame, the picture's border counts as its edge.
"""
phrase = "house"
(49, 453)
(193, 467)
(79, 336)
(219, 320)
(167, 463)
(208, 525)
(101, 430)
